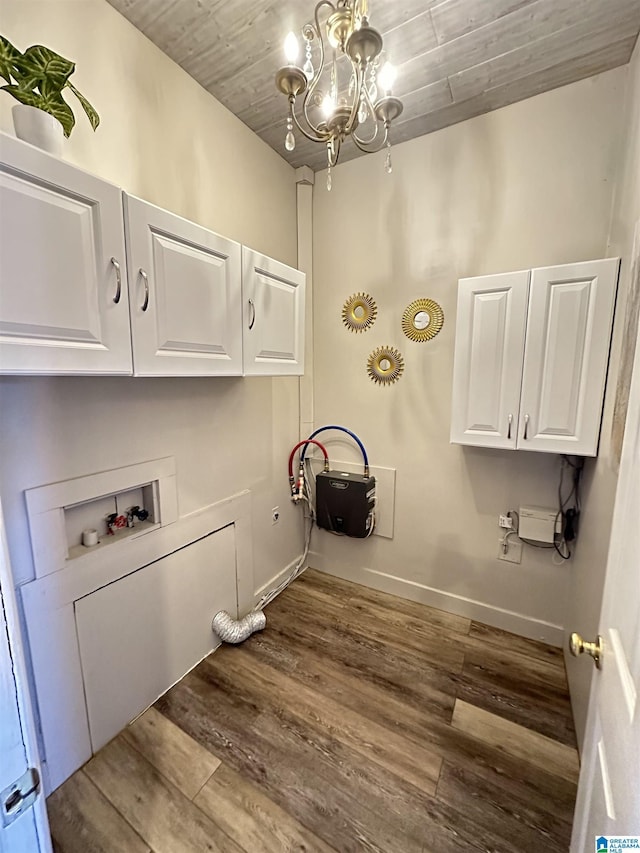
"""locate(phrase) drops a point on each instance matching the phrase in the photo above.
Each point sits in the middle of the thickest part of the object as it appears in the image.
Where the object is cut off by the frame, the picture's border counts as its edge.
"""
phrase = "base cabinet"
(531, 357)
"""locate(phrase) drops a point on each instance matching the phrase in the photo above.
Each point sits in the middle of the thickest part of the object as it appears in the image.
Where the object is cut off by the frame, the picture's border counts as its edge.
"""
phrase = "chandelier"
(346, 93)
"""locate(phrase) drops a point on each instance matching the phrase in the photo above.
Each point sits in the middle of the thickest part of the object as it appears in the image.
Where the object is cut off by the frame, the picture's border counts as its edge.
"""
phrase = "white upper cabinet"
(488, 360)
(566, 356)
(63, 283)
(186, 311)
(273, 326)
(180, 301)
(531, 358)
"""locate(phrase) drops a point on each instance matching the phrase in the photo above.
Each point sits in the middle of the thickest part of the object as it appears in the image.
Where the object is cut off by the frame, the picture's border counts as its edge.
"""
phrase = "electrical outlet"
(275, 515)
(514, 550)
(505, 521)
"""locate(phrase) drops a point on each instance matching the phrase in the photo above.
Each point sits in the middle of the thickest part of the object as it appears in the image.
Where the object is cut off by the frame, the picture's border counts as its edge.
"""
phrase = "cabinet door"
(185, 295)
(487, 372)
(273, 329)
(566, 356)
(63, 285)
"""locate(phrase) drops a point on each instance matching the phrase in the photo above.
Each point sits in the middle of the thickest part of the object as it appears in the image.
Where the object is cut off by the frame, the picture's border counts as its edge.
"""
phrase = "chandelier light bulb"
(291, 48)
(387, 77)
(328, 106)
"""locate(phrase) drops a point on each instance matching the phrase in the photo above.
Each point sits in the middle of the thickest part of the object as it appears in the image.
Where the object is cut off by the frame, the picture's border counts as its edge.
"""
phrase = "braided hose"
(237, 630)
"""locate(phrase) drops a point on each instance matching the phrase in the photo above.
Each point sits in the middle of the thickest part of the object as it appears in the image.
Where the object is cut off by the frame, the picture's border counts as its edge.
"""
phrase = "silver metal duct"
(237, 630)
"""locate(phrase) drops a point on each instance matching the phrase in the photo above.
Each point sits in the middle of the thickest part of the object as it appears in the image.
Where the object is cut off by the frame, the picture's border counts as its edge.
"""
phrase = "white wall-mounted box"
(537, 523)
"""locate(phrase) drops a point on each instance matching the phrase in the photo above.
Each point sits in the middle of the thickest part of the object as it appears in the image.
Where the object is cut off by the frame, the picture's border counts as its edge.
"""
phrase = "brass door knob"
(578, 646)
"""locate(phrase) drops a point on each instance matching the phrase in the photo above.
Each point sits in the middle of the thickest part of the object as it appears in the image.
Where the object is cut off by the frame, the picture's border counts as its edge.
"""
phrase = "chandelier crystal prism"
(347, 92)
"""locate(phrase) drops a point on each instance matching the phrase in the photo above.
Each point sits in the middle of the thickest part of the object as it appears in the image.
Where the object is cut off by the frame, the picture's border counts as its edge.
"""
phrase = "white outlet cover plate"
(514, 551)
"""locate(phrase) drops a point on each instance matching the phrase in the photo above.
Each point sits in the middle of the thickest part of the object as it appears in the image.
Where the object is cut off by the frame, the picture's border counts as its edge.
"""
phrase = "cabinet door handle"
(253, 314)
(145, 279)
(116, 267)
(526, 427)
(510, 422)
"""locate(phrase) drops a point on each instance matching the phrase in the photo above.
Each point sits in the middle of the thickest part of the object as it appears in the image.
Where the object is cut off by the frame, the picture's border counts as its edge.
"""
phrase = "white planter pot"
(37, 127)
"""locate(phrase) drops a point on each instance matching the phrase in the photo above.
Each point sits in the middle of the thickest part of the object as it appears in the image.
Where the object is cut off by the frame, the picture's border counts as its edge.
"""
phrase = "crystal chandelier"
(346, 93)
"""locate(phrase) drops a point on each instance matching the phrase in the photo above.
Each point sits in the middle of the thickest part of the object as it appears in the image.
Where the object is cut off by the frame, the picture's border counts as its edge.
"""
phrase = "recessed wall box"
(537, 523)
(345, 502)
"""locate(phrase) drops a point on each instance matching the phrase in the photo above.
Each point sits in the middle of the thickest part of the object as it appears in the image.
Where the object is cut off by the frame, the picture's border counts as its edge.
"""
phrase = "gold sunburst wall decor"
(359, 312)
(385, 365)
(422, 320)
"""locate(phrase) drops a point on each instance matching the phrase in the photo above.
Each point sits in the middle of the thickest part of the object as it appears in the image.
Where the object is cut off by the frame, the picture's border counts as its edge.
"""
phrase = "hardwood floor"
(356, 721)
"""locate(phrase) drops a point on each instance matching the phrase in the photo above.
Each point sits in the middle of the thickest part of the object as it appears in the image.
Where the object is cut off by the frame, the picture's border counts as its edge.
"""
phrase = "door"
(23, 824)
(63, 289)
(566, 356)
(609, 789)
(185, 295)
(273, 329)
(487, 373)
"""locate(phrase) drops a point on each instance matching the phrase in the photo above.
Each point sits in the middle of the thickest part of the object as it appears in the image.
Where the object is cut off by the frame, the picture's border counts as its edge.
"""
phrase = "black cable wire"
(563, 503)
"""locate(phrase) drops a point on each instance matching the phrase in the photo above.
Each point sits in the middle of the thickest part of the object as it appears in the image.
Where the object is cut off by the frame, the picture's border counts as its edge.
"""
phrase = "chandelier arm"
(311, 90)
(309, 136)
(371, 139)
(379, 147)
(360, 75)
(316, 76)
(374, 135)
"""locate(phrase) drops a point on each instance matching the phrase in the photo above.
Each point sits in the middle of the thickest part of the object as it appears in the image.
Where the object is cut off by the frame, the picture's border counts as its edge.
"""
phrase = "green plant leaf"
(92, 115)
(45, 64)
(8, 56)
(31, 99)
(28, 84)
(56, 106)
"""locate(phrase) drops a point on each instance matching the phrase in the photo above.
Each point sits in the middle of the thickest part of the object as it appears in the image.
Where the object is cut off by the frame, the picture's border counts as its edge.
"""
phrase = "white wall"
(588, 569)
(527, 185)
(163, 138)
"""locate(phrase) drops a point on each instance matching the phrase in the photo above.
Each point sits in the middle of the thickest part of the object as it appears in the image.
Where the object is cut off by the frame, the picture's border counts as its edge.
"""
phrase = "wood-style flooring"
(356, 721)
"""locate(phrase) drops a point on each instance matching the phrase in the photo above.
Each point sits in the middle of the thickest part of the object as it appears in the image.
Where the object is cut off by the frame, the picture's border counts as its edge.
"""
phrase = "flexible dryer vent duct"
(237, 630)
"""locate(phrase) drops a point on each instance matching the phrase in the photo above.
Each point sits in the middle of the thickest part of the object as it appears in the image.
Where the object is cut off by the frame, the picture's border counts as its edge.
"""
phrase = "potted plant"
(37, 79)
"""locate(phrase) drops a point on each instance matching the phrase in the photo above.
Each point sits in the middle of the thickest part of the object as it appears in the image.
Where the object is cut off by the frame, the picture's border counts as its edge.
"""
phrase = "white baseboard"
(273, 582)
(508, 620)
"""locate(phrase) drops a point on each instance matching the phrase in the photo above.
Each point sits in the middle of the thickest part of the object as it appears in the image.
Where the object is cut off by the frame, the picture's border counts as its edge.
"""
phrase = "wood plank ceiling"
(456, 58)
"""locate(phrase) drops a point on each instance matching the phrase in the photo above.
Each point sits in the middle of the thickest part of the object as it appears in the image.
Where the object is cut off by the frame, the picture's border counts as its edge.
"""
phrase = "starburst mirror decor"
(422, 320)
(385, 365)
(359, 312)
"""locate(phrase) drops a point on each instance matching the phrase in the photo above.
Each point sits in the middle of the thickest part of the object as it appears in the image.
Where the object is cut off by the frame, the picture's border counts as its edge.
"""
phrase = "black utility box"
(345, 502)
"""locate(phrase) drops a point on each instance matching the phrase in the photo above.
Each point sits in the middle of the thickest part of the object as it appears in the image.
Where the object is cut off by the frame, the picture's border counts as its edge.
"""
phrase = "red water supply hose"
(297, 488)
(305, 442)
